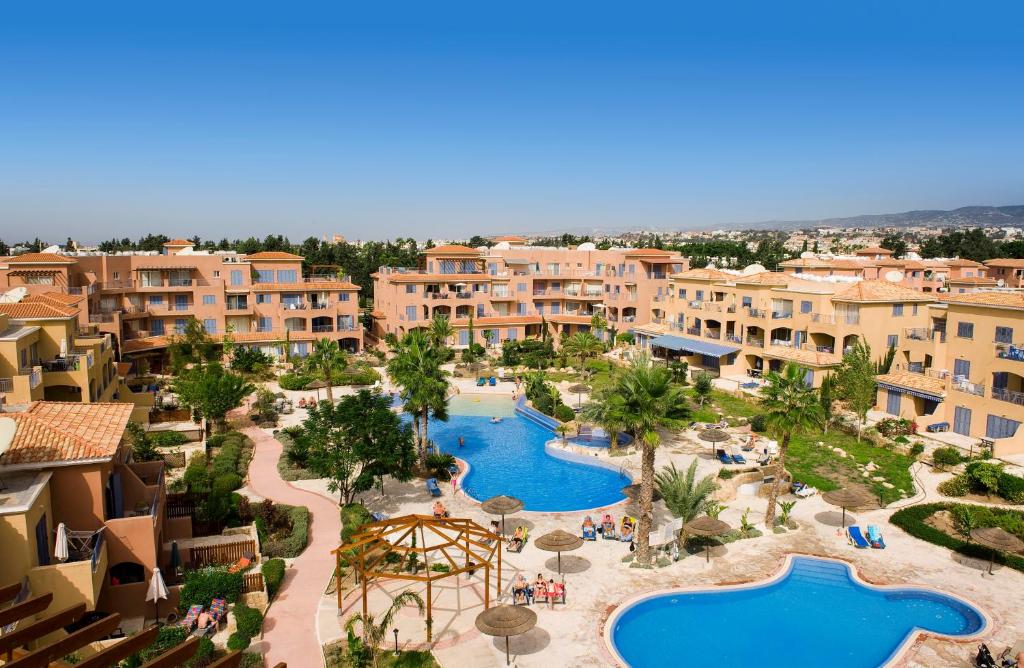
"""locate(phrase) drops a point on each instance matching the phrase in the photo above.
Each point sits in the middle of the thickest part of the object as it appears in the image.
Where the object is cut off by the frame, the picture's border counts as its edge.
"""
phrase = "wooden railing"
(218, 555)
(252, 582)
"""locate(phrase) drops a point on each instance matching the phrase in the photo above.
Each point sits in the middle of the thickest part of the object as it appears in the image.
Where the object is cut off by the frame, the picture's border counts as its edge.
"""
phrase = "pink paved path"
(289, 631)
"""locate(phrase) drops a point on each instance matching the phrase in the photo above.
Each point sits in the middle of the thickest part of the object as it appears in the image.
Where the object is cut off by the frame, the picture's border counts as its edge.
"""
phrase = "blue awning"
(694, 346)
(912, 392)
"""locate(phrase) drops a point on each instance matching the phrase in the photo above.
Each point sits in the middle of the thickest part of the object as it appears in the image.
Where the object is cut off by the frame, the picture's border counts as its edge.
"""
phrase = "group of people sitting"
(525, 593)
(590, 529)
(307, 403)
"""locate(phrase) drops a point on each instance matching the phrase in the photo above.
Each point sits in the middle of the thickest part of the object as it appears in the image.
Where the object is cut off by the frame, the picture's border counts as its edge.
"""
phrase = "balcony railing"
(823, 318)
(781, 315)
(319, 306)
(693, 330)
(756, 312)
(1011, 351)
(6, 385)
(322, 328)
(69, 363)
(440, 295)
(961, 385)
(179, 282)
(756, 342)
(35, 376)
(732, 338)
(918, 333)
(695, 304)
(294, 306)
(782, 342)
(713, 334)
(1011, 396)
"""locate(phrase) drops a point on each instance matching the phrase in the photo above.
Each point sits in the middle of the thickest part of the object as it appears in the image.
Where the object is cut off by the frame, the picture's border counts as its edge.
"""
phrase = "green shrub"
(298, 537)
(725, 474)
(563, 413)
(916, 450)
(294, 382)
(166, 638)
(1011, 487)
(984, 477)
(948, 456)
(912, 520)
(168, 439)
(196, 477)
(757, 423)
(206, 584)
(273, 575)
(353, 517)
(437, 464)
(958, 486)
(358, 376)
(251, 660)
(215, 441)
(295, 456)
(238, 641)
(227, 482)
(204, 652)
(625, 337)
(248, 621)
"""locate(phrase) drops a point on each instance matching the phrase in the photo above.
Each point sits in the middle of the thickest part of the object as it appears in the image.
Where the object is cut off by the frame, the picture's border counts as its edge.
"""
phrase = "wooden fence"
(252, 582)
(218, 555)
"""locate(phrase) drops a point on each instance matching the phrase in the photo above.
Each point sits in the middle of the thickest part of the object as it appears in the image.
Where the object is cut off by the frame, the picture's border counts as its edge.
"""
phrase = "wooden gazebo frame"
(460, 540)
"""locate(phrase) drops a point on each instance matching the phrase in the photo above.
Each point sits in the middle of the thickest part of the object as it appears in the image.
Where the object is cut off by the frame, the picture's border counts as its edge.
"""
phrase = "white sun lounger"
(806, 492)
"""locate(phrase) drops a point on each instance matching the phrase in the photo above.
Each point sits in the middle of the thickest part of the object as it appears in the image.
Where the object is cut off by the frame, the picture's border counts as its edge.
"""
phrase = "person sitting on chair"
(440, 510)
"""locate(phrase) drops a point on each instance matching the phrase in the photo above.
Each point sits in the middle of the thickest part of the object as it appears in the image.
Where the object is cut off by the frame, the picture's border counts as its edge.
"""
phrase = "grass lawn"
(337, 657)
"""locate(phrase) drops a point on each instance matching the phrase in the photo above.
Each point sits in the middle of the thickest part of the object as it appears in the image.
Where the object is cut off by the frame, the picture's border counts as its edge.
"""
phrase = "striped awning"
(33, 272)
(921, 394)
(695, 346)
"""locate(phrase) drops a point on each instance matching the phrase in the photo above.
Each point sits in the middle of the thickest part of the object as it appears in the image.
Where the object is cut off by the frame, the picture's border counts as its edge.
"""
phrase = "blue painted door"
(962, 420)
(43, 541)
(892, 404)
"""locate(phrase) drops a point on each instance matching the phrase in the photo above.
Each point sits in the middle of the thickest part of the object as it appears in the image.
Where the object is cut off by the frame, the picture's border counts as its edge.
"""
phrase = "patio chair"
(518, 540)
(191, 617)
(723, 456)
(857, 538)
(875, 537)
(432, 487)
(242, 563)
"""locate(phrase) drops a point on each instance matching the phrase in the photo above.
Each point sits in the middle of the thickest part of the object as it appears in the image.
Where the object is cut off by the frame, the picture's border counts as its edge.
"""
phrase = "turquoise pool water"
(509, 458)
(815, 615)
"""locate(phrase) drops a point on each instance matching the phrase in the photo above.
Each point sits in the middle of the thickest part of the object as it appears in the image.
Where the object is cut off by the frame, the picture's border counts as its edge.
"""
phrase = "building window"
(209, 300)
(287, 276)
(682, 293)
(965, 330)
(463, 337)
(1000, 427)
(914, 309)
(291, 301)
(343, 296)
(700, 295)
(410, 289)
(479, 310)
(747, 302)
(897, 310)
(156, 328)
(216, 273)
(266, 324)
(117, 275)
(210, 325)
(264, 275)
(962, 368)
(805, 307)
(1004, 334)
(236, 277)
(410, 312)
(892, 341)
(521, 287)
(155, 300)
(511, 333)
(264, 298)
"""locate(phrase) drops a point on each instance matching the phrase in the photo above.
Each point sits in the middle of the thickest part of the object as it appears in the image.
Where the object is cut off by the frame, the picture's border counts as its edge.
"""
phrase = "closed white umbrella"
(64, 347)
(60, 549)
(157, 590)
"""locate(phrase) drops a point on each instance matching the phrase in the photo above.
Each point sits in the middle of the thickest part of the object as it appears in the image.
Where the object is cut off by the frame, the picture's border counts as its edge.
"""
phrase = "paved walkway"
(290, 629)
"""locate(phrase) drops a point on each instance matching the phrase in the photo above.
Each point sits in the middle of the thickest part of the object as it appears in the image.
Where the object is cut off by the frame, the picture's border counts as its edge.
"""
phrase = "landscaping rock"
(888, 485)
(871, 466)
(878, 478)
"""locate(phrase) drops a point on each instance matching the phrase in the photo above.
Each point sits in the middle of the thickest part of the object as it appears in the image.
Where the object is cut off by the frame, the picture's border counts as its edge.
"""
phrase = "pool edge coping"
(613, 613)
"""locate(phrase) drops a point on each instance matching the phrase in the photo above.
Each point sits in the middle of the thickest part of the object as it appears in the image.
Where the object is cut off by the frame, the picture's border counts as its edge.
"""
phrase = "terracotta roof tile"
(801, 356)
(704, 274)
(37, 310)
(1013, 300)
(824, 263)
(178, 242)
(146, 343)
(914, 381)
(509, 237)
(972, 280)
(765, 278)
(879, 291)
(52, 431)
(41, 258)
(874, 250)
(1009, 262)
(273, 255)
(437, 278)
(451, 249)
(56, 298)
(633, 252)
(961, 262)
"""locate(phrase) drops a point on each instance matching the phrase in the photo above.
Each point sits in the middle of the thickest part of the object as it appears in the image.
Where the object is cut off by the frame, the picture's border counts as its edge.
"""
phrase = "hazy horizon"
(237, 119)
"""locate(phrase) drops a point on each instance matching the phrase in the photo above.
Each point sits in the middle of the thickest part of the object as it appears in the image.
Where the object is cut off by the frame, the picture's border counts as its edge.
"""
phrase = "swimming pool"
(509, 458)
(815, 614)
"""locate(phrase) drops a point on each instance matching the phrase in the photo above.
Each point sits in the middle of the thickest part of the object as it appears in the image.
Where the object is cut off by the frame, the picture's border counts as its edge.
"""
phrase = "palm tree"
(327, 358)
(374, 631)
(598, 324)
(441, 330)
(583, 346)
(416, 368)
(605, 409)
(684, 495)
(790, 407)
(650, 401)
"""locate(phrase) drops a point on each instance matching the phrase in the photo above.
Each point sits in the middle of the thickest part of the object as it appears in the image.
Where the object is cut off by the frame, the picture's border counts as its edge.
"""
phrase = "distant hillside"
(966, 216)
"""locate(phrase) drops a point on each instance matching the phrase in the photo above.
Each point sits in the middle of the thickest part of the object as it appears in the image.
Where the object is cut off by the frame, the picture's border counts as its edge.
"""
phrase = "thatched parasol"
(316, 385)
(506, 620)
(706, 526)
(501, 505)
(714, 436)
(476, 367)
(578, 389)
(558, 541)
(999, 540)
(846, 497)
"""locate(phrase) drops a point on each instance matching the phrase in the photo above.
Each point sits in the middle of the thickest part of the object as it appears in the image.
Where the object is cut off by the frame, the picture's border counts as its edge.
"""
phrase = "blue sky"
(389, 119)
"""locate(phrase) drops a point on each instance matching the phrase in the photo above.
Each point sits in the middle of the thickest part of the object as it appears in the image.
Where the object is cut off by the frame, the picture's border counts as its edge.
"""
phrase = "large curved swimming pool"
(816, 614)
(509, 458)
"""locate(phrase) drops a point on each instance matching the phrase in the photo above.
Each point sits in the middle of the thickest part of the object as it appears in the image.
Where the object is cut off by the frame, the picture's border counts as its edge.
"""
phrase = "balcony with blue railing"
(1010, 351)
(782, 315)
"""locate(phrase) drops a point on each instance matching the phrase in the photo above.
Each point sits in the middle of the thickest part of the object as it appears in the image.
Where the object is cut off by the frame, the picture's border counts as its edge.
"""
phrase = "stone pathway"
(289, 630)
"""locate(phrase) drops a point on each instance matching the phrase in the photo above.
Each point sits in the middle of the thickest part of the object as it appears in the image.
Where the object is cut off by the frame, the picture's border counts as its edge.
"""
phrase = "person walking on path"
(290, 626)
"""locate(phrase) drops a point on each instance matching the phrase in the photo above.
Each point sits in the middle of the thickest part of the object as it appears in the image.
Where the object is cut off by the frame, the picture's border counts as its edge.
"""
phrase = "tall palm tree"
(327, 358)
(583, 346)
(650, 402)
(790, 407)
(684, 495)
(441, 330)
(417, 368)
(606, 410)
(375, 630)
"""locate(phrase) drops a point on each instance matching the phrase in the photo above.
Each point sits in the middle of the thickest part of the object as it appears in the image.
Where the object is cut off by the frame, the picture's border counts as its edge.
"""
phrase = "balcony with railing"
(1010, 351)
(918, 333)
(960, 384)
(713, 334)
(756, 312)
(72, 362)
(782, 315)
(823, 318)
(80, 578)
(1008, 395)
(733, 338)
(755, 341)
(695, 304)
(320, 329)
(694, 331)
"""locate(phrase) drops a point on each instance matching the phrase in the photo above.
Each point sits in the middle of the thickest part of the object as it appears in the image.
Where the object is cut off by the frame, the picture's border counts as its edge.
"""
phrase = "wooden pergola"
(461, 544)
(30, 629)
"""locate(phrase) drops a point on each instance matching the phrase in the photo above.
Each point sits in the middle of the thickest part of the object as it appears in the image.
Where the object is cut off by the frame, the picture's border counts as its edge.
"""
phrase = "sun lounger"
(191, 617)
(804, 491)
(242, 563)
(558, 594)
(589, 532)
(626, 529)
(218, 611)
(518, 540)
(857, 538)
(432, 487)
(724, 457)
(608, 527)
(492, 381)
(481, 381)
(738, 459)
(378, 516)
(875, 537)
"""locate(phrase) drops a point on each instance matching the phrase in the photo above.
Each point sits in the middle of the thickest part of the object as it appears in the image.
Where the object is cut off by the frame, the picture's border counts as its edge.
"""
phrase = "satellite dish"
(752, 269)
(894, 276)
(14, 295)
(7, 429)
(806, 255)
(1001, 283)
(501, 245)
(586, 246)
(52, 249)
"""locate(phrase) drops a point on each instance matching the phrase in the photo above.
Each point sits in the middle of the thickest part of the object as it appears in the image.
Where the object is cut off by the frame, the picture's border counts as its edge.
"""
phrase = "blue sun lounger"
(857, 538)
(875, 537)
(724, 457)
(492, 381)
(739, 459)
(432, 487)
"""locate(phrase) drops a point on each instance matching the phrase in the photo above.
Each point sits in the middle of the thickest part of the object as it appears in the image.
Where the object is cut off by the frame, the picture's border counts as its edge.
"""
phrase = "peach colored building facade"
(511, 291)
(68, 464)
(877, 264)
(262, 299)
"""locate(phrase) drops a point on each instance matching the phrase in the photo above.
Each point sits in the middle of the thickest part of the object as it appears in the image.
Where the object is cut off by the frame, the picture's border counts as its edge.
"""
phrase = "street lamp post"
(395, 631)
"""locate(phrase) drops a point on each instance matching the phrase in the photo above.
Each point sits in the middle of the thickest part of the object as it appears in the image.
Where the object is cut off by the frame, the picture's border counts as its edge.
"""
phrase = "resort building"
(68, 464)
(262, 299)
(1008, 270)
(877, 264)
(512, 291)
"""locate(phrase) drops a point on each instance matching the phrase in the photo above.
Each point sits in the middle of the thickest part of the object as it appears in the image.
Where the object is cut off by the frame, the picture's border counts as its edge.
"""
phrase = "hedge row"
(273, 575)
(912, 520)
(295, 542)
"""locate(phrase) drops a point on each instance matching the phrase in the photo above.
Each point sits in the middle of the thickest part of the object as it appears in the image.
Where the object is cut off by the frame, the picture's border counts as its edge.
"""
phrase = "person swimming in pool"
(495, 420)
(462, 441)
